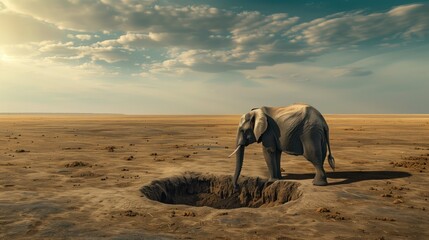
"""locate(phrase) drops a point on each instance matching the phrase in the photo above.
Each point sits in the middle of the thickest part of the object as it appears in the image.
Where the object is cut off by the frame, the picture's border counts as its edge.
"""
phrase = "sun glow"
(4, 58)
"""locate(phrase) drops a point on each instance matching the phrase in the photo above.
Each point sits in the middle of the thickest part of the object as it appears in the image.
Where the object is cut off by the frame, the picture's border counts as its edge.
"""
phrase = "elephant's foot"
(236, 188)
(320, 181)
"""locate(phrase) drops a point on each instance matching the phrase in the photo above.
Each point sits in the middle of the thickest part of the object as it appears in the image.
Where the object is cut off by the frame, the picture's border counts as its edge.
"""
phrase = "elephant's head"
(250, 129)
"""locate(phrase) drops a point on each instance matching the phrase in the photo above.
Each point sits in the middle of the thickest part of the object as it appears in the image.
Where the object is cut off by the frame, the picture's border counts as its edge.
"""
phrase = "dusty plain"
(79, 177)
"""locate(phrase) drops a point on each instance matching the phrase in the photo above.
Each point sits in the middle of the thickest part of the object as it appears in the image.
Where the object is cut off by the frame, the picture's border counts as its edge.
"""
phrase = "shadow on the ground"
(352, 176)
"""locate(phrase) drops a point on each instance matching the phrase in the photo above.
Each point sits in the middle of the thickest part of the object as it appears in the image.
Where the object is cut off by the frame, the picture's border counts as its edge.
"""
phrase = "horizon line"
(182, 114)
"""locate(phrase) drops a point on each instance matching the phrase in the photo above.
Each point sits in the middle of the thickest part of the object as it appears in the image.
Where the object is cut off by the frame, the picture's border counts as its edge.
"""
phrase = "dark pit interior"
(197, 189)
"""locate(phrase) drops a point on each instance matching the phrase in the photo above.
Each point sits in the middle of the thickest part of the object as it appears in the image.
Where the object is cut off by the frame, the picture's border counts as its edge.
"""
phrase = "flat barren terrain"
(86, 176)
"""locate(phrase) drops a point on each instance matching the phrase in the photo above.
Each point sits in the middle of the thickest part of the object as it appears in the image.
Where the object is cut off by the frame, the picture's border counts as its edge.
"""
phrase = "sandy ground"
(79, 177)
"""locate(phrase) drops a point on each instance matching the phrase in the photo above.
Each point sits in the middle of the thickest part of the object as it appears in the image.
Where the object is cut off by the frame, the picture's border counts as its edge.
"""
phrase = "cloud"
(209, 39)
(18, 29)
(109, 55)
(234, 59)
(68, 52)
(254, 28)
(58, 48)
(81, 37)
(212, 40)
(69, 14)
(202, 27)
(260, 77)
(109, 15)
(203, 38)
(405, 22)
(352, 72)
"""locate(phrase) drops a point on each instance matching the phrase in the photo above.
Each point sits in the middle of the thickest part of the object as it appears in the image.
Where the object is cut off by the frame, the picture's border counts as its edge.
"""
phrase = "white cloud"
(106, 15)
(108, 54)
(253, 28)
(58, 48)
(204, 38)
(81, 37)
(349, 28)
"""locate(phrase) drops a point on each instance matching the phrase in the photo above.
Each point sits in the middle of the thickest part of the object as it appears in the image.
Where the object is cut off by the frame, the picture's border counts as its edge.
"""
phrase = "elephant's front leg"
(270, 155)
(278, 168)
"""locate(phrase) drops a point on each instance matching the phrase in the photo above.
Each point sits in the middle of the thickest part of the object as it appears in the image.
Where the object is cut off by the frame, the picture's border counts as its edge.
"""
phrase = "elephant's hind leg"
(315, 152)
(320, 178)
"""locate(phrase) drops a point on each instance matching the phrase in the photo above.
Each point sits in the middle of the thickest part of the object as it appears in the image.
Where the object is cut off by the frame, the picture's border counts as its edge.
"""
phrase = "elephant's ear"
(261, 123)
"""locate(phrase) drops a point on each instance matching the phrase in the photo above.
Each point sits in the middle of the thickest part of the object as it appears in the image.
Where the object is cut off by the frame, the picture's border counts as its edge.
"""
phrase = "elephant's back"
(292, 121)
(295, 114)
(291, 116)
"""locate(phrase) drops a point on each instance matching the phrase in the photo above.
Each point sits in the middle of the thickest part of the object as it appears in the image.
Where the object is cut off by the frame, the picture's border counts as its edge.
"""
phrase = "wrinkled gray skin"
(298, 129)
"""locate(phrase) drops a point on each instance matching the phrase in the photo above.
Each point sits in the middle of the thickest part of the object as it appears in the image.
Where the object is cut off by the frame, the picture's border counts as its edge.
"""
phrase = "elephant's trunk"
(239, 156)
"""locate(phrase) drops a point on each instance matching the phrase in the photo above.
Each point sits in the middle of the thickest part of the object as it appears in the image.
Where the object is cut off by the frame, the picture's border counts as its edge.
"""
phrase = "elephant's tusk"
(234, 151)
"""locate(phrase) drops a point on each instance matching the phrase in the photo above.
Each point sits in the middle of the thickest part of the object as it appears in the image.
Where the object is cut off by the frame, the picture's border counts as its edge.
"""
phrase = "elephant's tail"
(331, 159)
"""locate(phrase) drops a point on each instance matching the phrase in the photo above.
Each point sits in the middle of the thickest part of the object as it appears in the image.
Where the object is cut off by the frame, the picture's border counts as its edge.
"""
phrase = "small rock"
(21, 151)
(76, 164)
(131, 213)
(385, 219)
(397, 201)
(110, 148)
(322, 210)
(336, 216)
(189, 214)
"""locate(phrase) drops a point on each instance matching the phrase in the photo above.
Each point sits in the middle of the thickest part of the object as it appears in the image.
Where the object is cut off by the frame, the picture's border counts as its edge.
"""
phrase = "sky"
(213, 56)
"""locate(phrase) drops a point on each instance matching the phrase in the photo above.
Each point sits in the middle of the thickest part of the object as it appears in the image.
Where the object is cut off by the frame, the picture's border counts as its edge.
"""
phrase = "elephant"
(298, 129)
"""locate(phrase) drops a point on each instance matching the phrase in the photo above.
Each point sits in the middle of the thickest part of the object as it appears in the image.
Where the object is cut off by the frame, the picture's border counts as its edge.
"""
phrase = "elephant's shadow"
(351, 176)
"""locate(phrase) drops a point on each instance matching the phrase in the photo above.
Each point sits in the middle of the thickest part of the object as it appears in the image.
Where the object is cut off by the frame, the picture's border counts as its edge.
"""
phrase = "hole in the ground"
(217, 191)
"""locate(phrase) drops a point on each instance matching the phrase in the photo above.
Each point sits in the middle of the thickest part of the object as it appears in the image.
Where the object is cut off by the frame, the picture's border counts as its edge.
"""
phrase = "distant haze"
(213, 57)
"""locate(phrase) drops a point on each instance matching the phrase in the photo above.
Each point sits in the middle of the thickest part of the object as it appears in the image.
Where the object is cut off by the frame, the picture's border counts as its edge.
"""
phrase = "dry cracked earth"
(168, 177)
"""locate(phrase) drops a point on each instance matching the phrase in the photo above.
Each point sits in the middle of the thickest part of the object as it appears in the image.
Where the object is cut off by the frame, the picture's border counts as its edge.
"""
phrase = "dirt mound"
(76, 164)
(196, 189)
(413, 162)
